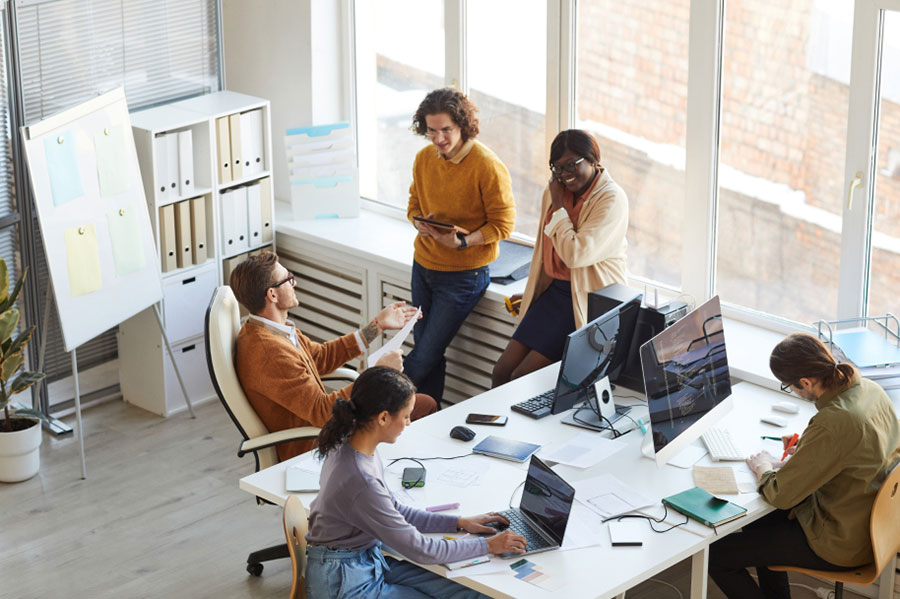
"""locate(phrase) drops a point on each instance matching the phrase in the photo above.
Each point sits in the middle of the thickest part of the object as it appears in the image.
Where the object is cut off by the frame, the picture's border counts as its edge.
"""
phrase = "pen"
(790, 444)
(441, 508)
(770, 438)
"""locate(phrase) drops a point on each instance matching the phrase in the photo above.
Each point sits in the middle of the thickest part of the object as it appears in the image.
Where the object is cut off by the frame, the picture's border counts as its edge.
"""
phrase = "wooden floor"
(160, 515)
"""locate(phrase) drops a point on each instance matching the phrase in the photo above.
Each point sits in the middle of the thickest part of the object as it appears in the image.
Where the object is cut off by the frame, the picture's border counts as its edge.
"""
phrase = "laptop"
(543, 512)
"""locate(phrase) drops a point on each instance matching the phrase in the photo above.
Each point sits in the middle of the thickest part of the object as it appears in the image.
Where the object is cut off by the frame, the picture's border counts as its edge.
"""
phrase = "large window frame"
(706, 41)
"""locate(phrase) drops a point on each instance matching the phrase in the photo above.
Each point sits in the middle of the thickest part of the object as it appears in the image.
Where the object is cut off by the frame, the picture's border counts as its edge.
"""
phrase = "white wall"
(295, 54)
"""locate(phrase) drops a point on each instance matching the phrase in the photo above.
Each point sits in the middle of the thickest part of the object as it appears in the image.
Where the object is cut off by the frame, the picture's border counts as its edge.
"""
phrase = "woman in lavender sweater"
(355, 512)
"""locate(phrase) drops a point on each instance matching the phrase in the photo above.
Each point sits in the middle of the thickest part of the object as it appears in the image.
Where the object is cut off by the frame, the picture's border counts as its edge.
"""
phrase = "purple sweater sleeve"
(426, 521)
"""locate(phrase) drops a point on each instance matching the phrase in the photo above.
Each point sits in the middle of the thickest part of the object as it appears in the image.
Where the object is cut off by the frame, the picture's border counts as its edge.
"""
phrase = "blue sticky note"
(63, 168)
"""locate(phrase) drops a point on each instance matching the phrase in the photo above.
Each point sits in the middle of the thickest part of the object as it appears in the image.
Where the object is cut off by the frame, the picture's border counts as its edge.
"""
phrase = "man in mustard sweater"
(456, 180)
(280, 368)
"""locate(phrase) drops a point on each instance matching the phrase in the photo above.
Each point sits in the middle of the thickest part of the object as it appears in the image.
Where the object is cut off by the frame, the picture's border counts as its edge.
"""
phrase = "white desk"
(600, 570)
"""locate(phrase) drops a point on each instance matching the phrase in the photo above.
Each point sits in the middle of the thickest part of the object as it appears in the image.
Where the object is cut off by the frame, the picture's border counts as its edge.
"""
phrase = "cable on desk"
(650, 520)
(609, 425)
(422, 466)
(418, 480)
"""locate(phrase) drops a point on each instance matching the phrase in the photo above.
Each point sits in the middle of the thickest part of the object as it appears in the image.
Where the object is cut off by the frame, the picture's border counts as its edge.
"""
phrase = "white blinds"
(72, 50)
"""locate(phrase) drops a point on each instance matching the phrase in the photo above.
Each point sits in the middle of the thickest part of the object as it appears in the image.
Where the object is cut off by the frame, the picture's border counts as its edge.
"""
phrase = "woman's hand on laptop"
(506, 542)
(478, 524)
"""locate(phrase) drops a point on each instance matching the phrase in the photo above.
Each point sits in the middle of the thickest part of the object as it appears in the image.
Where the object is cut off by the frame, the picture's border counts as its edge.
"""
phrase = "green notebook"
(703, 507)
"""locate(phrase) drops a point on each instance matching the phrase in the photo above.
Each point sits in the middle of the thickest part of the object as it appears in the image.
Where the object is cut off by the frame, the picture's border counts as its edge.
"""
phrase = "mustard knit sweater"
(473, 191)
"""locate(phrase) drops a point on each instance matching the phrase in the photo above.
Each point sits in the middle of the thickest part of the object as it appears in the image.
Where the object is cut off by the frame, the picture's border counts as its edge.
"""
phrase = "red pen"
(790, 444)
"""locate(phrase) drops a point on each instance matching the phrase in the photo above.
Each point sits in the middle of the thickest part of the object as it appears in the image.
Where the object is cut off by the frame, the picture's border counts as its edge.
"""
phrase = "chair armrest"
(341, 374)
(277, 438)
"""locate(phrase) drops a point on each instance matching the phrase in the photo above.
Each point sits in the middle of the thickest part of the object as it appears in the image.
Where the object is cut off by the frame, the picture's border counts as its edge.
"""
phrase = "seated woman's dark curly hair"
(451, 102)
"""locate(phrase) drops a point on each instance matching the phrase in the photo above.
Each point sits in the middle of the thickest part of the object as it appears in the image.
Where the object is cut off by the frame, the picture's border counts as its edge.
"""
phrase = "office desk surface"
(597, 571)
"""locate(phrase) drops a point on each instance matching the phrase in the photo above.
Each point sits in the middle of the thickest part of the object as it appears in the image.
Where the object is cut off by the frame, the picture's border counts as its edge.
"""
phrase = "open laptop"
(543, 512)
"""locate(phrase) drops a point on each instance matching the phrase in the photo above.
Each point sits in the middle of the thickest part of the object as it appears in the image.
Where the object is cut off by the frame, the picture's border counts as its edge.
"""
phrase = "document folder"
(265, 209)
(186, 162)
(252, 141)
(241, 228)
(226, 209)
(174, 189)
(160, 164)
(167, 244)
(183, 233)
(223, 145)
(198, 230)
(237, 164)
(254, 215)
(704, 507)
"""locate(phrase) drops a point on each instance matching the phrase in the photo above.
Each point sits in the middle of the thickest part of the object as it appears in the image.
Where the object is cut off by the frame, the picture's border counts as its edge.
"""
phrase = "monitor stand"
(599, 411)
(647, 449)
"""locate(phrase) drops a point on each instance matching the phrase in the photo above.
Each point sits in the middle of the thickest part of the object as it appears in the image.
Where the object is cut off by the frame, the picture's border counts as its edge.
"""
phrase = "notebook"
(299, 480)
(505, 449)
(704, 507)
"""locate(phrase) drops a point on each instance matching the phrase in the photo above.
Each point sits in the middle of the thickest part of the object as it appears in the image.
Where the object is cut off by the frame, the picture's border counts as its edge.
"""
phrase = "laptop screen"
(547, 499)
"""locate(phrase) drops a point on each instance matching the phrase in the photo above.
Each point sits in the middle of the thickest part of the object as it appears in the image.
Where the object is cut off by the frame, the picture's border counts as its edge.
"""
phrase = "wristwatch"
(462, 239)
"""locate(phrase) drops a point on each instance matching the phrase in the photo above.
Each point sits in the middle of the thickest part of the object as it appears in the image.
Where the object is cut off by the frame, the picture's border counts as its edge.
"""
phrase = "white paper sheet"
(608, 496)
(584, 450)
(395, 342)
(495, 564)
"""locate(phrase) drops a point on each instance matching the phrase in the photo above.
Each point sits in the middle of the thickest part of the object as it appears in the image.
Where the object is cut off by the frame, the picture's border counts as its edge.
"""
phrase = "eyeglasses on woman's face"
(568, 167)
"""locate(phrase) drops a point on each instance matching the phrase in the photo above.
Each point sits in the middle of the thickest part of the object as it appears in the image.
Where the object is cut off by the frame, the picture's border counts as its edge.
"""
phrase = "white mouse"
(773, 419)
(786, 407)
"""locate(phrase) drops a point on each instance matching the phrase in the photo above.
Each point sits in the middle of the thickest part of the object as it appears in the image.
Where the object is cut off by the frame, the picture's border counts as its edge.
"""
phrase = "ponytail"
(801, 355)
(377, 390)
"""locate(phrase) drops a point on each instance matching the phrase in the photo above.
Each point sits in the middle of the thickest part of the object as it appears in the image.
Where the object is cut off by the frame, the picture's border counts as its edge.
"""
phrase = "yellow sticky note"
(83, 259)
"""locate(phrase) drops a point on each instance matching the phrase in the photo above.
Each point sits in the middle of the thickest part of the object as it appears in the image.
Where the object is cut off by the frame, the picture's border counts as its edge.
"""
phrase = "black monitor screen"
(547, 499)
(594, 351)
(685, 372)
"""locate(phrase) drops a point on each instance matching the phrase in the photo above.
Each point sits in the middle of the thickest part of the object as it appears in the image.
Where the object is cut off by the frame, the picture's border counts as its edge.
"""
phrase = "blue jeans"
(446, 298)
(366, 574)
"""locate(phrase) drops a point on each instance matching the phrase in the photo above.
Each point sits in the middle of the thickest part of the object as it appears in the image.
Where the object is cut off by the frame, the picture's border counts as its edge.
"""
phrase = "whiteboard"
(94, 222)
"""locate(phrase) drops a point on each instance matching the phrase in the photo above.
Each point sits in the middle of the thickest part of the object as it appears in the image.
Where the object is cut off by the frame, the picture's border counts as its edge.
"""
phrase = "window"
(632, 69)
(400, 58)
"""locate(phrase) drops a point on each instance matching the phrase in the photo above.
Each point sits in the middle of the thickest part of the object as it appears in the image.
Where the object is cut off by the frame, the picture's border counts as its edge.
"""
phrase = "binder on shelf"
(254, 215)
(252, 141)
(229, 264)
(198, 230)
(160, 164)
(223, 147)
(167, 244)
(237, 158)
(241, 225)
(226, 209)
(265, 209)
(183, 233)
(186, 162)
(172, 165)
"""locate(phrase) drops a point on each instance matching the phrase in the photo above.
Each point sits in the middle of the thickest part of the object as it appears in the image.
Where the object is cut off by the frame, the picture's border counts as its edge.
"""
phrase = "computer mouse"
(463, 433)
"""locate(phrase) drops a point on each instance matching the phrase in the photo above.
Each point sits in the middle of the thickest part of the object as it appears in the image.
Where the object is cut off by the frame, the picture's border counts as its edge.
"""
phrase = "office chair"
(221, 328)
(884, 526)
(296, 524)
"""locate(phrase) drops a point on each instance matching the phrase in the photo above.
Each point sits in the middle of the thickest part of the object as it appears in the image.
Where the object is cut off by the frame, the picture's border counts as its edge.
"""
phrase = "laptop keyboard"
(537, 406)
(520, 526)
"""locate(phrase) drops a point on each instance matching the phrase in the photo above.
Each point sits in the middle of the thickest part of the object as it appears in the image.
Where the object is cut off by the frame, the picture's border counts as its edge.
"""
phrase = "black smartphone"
(490, 419)
(413, 477)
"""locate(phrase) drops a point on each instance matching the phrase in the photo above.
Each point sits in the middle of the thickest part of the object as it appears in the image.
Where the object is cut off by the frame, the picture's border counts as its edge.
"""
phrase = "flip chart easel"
(99, 243)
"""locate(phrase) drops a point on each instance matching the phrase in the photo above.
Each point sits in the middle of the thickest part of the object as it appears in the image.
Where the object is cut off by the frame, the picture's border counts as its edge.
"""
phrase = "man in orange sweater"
(456, 180)
(279, 367)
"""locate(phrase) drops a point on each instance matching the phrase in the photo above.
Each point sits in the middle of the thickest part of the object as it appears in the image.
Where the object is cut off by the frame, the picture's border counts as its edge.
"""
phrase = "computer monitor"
(596, 350)
(686, 379)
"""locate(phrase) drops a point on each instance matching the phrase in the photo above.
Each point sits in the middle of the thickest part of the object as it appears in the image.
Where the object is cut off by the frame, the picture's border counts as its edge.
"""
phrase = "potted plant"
(20, 431)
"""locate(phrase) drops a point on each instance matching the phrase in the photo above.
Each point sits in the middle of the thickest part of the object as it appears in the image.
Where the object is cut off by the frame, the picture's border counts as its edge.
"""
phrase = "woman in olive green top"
(824, 491)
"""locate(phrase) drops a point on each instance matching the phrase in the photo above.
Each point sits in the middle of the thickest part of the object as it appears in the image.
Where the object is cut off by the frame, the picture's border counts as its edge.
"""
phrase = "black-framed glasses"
(290, 279)
(786, 387)
(568, 167)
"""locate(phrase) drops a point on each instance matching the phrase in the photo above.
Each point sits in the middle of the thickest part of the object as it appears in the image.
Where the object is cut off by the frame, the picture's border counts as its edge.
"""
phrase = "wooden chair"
(296, 524)
(884, 526)
(222, 324)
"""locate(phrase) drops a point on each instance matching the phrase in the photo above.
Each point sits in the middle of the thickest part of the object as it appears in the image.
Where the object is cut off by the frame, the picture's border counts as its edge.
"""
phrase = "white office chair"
(221, 330)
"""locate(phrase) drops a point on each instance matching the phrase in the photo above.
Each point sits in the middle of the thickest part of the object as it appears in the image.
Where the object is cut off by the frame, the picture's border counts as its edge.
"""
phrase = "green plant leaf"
(10, 365)
(11, 298)
(28, 413)
(23, 380)
(8, 322)
(12, 346)
(4, 280)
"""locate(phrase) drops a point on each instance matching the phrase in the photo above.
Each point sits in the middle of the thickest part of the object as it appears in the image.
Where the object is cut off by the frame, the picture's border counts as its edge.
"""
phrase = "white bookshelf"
(146, 375)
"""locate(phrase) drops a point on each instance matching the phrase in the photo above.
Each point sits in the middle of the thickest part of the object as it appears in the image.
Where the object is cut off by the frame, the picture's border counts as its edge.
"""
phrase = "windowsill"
(388, 241)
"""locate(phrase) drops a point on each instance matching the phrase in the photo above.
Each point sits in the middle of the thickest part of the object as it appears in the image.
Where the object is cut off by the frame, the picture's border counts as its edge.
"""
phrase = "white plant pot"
(20, 453)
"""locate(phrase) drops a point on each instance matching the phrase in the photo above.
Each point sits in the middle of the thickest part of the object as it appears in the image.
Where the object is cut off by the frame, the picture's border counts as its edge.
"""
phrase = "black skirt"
(548, 322)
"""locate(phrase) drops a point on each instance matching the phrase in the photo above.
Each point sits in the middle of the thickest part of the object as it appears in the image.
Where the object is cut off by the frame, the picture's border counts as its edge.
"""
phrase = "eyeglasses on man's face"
(290, 278)
(568, 167)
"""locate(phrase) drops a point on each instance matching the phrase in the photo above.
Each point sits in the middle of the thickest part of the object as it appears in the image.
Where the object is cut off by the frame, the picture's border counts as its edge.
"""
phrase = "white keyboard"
(721, 446)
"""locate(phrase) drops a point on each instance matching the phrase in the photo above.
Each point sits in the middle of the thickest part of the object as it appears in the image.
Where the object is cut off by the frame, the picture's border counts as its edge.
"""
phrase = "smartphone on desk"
(490, 419)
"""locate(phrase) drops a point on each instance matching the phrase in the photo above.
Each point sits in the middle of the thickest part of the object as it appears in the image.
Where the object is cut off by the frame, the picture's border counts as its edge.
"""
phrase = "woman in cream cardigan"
(581, 248)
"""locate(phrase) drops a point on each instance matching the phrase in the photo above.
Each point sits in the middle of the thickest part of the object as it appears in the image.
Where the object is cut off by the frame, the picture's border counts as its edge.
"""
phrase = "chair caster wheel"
(255, 569)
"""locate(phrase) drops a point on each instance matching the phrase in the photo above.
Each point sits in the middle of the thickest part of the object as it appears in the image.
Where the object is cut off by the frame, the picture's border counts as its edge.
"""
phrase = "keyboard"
(520, 526)
(721, 446)
(536, 407)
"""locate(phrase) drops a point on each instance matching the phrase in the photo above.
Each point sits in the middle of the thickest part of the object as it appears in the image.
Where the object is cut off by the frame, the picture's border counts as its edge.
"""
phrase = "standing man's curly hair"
(453, 103)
